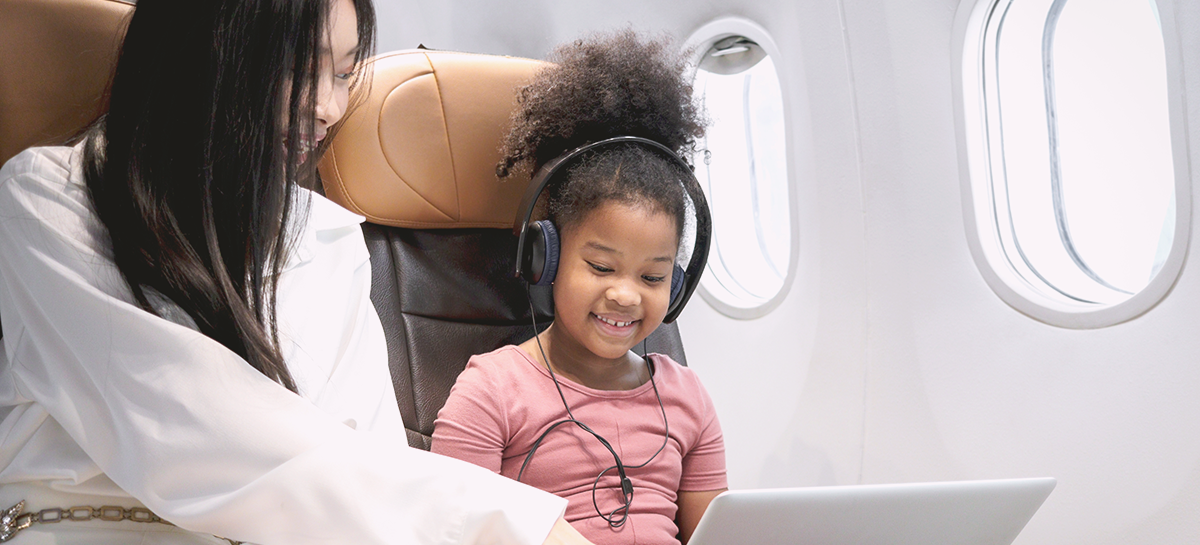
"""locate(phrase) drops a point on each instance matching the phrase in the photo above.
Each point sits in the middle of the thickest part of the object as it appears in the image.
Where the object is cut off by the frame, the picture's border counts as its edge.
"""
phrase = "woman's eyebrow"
(352, 52)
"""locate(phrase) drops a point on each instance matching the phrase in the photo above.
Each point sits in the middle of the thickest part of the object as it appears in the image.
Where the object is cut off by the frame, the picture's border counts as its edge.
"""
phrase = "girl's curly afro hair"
(603, 86)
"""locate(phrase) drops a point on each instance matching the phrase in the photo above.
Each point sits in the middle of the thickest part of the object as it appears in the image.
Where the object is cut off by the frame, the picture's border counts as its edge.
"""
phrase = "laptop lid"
(944, 513)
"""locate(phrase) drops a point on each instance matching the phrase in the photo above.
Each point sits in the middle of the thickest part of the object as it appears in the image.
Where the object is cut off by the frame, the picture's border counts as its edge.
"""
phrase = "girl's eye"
(345, 76)
(654, 279)
(599, 268)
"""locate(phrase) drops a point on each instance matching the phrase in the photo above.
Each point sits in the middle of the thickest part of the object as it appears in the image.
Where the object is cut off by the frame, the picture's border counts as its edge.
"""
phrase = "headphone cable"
(620, 515)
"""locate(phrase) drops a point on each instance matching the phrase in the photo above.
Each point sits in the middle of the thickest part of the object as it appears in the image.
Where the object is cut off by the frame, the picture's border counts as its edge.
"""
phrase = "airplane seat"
(417, 158)
(56, 60)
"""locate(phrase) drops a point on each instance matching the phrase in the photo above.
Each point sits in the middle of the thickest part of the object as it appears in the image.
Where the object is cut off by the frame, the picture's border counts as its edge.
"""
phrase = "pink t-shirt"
(504, 401)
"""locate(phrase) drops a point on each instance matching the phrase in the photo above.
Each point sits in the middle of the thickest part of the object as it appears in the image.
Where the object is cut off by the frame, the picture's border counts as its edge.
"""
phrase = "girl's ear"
(540, 255)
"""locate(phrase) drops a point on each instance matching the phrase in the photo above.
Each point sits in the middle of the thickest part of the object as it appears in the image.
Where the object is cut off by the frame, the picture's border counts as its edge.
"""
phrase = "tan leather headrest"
(56, 59)
(421, 150)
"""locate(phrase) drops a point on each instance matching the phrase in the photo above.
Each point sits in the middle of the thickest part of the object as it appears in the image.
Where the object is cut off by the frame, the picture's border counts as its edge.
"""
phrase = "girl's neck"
(575, 362)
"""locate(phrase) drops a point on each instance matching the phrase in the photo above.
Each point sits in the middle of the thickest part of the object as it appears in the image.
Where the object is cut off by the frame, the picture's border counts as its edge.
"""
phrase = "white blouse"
(99, 397)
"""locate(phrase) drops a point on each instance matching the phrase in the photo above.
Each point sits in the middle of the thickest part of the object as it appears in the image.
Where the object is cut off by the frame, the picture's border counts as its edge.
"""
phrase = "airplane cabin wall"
(890, 359)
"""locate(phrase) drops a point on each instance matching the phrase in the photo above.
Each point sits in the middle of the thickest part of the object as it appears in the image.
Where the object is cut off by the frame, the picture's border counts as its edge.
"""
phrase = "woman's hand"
(563, 534)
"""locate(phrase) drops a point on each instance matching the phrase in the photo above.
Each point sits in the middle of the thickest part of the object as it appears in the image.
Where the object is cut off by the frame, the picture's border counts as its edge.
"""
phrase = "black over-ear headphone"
(538, 243)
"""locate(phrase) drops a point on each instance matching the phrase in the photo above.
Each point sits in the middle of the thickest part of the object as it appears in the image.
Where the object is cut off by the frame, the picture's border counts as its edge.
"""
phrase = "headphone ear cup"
(677, 275)
(544, 250)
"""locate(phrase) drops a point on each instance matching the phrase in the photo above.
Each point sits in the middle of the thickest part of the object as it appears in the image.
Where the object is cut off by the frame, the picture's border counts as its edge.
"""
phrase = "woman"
(150, 363)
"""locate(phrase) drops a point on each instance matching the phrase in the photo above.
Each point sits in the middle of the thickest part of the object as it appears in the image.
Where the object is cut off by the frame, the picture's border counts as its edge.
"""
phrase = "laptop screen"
(945, 513)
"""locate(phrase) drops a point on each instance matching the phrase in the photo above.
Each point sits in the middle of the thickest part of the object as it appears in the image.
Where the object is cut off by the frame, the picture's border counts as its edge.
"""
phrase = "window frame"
(698, 43)
(983, 236)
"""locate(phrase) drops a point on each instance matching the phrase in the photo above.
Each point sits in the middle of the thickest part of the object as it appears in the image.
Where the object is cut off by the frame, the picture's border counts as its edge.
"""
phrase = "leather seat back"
(56, 60)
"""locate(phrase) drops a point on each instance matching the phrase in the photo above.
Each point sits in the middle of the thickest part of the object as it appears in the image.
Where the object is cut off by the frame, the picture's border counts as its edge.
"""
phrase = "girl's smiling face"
(614, 278)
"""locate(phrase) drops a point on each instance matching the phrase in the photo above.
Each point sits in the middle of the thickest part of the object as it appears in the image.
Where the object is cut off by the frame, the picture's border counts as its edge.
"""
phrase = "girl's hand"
(563, 534)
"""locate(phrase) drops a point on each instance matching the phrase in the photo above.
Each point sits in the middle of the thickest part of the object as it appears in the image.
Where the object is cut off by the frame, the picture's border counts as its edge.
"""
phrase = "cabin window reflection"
(1078, 145)
(743, 168)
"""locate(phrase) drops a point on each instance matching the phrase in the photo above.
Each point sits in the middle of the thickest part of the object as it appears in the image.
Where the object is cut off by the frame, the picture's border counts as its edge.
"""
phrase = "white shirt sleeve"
(189, 428)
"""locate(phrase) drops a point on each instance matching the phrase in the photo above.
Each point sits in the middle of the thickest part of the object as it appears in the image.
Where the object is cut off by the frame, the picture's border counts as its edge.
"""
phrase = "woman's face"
(614, 277)
(337, 68)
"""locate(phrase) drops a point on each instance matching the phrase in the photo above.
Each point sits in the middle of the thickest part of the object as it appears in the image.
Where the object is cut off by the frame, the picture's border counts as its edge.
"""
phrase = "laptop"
(943, 513)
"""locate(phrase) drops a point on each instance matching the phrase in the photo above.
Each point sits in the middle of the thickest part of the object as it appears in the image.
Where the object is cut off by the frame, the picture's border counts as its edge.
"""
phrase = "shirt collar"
(312, 213)
(323, 214)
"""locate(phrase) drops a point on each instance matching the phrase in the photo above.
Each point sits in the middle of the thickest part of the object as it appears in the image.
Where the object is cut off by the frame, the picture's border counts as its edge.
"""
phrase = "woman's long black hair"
(191, 172)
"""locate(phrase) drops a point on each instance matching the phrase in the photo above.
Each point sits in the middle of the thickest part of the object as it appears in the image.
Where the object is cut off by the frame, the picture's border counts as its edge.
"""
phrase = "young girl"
(529, 411)
(156, 390)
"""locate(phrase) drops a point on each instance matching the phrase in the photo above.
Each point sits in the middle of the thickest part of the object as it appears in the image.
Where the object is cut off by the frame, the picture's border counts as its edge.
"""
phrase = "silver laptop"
(946, 513)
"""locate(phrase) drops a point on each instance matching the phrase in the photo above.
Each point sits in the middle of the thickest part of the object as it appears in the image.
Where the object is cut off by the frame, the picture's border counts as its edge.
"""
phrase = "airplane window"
(1075, 153)
(743, 168)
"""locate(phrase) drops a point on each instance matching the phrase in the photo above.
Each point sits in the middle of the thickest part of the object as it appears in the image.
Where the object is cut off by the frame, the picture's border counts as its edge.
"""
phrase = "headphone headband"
(551, 169)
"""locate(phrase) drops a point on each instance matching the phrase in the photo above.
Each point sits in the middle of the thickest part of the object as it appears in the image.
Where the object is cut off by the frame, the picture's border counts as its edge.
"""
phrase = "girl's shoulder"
(494, 378)
(680, 386)
(667, 364)
(667, 369)
(507, 354)
(506, 362)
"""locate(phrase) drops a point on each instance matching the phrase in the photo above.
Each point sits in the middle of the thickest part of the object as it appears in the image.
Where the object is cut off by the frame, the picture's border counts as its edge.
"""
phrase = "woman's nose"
(328, 110)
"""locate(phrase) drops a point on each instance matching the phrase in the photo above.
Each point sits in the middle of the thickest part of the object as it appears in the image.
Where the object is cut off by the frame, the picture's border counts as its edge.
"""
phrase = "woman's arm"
(189, 428)
(692, 505)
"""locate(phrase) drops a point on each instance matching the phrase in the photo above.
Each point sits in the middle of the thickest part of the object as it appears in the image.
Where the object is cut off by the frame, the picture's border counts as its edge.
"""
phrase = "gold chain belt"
(13, 520)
